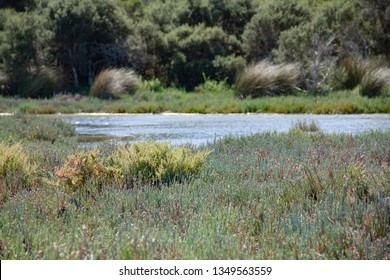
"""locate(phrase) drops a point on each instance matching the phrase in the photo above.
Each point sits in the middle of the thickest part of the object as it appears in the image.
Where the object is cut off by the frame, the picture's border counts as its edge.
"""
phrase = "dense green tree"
(78, 28)
(194, 49)
(18, 5)
(337, 30)
(378, 11)
(19, 38)
(262, 32)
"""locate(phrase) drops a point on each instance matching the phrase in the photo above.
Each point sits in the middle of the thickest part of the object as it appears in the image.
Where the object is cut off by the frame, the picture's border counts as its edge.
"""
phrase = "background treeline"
(49, 46)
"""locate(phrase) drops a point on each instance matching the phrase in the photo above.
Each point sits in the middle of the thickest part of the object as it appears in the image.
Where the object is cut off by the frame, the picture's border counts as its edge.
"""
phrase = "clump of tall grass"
(41, 84)
(376, 83)
(114, 83)
(372, 75)
(152, 85)
(266, 79)
(305, 126)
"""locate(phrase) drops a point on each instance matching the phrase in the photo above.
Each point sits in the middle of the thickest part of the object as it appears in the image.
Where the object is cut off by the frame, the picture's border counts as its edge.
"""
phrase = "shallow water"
(199, 129)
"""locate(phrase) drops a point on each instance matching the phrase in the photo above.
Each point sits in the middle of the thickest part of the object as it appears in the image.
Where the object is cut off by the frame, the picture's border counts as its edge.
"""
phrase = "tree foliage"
(182, 42)
(78, 29)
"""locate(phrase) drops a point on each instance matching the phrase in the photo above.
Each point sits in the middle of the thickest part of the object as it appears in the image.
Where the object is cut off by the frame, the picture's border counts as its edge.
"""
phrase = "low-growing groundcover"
(295, 195)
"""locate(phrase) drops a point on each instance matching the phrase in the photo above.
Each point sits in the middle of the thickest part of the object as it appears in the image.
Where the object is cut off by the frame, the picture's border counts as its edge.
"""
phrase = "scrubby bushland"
(271, 19)
(114, 83)
(265, 79)
(336, 30)
(183, 42)
(194, 50)
(78, 29)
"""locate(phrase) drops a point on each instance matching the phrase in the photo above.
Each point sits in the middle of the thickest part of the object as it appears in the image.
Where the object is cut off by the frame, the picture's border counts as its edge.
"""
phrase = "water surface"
(199, 129)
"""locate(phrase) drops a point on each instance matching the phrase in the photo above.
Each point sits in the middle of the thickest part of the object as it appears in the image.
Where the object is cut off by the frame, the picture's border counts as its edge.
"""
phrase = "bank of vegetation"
(135, 49)
(297, 195)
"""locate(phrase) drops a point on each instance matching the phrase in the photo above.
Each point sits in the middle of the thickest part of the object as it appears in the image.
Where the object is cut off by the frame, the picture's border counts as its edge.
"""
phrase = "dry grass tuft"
(372, 75)
(114, 83)
(265, 79)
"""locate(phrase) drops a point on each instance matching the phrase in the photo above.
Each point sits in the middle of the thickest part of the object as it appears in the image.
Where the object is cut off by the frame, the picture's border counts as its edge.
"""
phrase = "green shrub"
(157, 163)
(114, 83)
(212, 86)
(152, 85)
(228, 67)
(265, 79)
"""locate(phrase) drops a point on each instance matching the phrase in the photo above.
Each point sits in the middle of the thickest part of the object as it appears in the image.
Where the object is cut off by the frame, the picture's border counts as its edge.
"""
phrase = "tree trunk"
(74, 70)
(75, 76)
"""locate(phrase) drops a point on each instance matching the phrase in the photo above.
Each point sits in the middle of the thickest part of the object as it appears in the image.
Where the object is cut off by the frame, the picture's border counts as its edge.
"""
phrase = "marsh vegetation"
(294, 195)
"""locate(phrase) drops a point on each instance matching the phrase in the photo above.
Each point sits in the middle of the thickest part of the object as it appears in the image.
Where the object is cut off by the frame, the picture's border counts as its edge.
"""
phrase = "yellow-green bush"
(157, 162)
(15, 165)
(151, 163)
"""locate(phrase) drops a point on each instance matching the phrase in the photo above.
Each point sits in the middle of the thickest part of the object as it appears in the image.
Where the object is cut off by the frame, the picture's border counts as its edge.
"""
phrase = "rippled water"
(200, 129)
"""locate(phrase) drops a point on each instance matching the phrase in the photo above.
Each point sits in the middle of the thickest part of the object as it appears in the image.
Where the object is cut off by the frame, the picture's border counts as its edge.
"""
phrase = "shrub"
(265, 79)
(228, 67)
(151, 163)
(157, 163)
(212, 86)
(15, 166)
(85, 167)
(152, 85)
(114, 83)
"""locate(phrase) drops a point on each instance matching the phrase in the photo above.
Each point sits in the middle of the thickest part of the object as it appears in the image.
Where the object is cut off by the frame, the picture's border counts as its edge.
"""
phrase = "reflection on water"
(200, 129)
